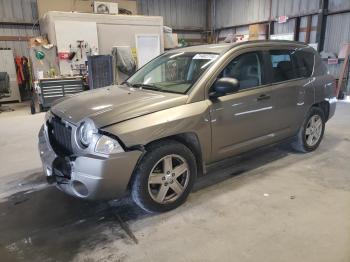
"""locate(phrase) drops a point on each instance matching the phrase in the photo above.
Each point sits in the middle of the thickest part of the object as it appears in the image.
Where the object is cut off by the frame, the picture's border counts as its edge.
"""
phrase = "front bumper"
(90, 177)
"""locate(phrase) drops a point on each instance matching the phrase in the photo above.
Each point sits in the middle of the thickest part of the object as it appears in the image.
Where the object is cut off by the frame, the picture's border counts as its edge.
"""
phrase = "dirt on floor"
(271, 205)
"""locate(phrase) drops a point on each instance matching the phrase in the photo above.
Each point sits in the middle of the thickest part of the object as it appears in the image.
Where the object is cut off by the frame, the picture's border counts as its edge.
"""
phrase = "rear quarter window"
(320, 66)
(304, 63)
(289, 64)
(282, 66)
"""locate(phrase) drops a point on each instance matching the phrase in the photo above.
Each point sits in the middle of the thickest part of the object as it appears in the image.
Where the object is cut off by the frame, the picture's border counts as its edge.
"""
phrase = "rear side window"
(319, 68)
(304, 63)
(291, 64)
(282, 66)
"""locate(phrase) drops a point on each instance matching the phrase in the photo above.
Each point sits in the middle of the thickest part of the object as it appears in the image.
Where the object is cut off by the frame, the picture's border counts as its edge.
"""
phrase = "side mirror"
(223, 86)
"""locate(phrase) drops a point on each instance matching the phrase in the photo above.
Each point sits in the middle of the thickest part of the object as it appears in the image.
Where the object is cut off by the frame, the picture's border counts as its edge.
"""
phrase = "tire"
(154, 175)
(302, 140)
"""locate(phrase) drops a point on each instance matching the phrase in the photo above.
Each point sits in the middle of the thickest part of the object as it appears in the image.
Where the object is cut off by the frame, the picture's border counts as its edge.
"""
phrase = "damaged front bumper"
(90, 177)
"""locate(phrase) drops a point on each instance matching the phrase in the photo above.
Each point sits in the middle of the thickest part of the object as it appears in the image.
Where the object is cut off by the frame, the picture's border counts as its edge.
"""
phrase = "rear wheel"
(311, 133)
(165, 176)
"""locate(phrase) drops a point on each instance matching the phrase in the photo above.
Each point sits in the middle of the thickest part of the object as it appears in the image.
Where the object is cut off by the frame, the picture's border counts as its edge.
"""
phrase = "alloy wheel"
(168, 179)
(313, 130)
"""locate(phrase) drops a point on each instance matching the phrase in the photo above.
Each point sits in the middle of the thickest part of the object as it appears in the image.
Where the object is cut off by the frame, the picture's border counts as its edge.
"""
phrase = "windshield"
(172, 72)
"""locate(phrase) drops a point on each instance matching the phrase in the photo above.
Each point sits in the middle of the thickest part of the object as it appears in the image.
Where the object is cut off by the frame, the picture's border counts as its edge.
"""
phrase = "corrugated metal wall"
(337, 32)
(285, 28)
(18, 11)
(19, 47)
(230, 13)
(237, 12)
(182, 14)
(337, 5)
(294, 7)
(177, 14)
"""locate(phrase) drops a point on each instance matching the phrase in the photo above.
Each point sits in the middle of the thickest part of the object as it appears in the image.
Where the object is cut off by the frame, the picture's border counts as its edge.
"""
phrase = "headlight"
(85, 133)
(106, 145)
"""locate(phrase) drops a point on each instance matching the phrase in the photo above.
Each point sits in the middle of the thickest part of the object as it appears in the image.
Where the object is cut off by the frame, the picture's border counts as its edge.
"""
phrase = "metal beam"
(308, 29)
(15, 38)
(338, 12)
(271, 23)
(296, 28)
(20, 23)
(321, 25)
(189, 30)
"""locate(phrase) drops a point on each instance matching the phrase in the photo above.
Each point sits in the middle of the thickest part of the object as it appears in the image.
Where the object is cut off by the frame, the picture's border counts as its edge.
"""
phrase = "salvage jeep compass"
(182, 112)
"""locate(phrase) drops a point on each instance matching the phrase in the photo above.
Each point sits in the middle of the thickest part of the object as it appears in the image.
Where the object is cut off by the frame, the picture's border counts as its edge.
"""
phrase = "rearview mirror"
(223, 86)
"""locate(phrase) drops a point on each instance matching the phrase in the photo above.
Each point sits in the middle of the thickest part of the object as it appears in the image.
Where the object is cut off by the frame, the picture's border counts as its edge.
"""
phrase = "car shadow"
(47, 224)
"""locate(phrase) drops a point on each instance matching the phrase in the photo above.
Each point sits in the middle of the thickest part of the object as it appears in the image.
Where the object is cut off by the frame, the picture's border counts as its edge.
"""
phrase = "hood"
(106, 106)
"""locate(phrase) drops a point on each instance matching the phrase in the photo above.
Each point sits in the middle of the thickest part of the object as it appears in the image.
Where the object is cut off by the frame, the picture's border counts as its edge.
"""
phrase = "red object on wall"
(282, 19)
(63, 55)
(332, 61)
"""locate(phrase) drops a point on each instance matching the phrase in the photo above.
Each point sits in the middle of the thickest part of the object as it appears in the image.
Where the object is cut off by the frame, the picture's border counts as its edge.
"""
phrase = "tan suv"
(182, 112)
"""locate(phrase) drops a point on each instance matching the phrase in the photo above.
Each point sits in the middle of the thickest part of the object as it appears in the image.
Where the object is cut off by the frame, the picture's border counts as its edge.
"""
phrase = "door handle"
(263, 97)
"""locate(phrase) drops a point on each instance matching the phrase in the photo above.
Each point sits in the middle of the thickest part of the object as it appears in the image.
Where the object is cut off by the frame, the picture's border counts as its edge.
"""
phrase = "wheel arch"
(324, 106)
(189, 139)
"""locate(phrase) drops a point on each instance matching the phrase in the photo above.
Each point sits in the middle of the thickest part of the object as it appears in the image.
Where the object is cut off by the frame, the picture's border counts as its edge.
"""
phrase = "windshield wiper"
(146, 86)
(126, 83)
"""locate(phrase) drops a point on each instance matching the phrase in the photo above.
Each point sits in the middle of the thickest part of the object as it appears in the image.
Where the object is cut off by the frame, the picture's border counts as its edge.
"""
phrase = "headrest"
(285, 66)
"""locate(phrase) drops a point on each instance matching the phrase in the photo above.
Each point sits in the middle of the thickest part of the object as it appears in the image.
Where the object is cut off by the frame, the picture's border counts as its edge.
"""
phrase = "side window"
(282, 66)
(246, 68)
(304, 63)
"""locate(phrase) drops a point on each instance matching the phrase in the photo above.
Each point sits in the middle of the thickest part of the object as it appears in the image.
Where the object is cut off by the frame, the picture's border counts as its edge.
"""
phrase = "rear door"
(291, 86)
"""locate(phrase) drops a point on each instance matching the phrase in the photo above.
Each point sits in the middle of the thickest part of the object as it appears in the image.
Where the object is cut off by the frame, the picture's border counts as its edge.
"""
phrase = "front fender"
(193, 118)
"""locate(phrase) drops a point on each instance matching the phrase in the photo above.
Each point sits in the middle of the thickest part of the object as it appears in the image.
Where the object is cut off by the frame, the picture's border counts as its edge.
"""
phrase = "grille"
(60, 137)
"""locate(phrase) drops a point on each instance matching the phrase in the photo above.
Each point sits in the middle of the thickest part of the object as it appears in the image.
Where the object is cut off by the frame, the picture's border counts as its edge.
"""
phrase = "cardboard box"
(257, 31)
(171, 41)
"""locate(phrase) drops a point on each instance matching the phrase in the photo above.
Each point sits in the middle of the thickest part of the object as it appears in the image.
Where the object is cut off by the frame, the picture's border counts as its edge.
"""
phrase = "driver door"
(243, 120)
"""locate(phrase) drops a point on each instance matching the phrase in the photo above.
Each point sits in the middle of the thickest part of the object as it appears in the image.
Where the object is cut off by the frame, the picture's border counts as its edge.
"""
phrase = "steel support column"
(321, 24)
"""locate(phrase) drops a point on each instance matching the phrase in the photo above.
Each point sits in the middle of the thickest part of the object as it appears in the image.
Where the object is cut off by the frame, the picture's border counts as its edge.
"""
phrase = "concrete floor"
(275, 205)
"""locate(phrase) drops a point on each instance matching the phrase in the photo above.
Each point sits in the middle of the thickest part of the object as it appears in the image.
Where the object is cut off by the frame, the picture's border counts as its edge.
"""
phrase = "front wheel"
(311, 133)
(164, 177)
